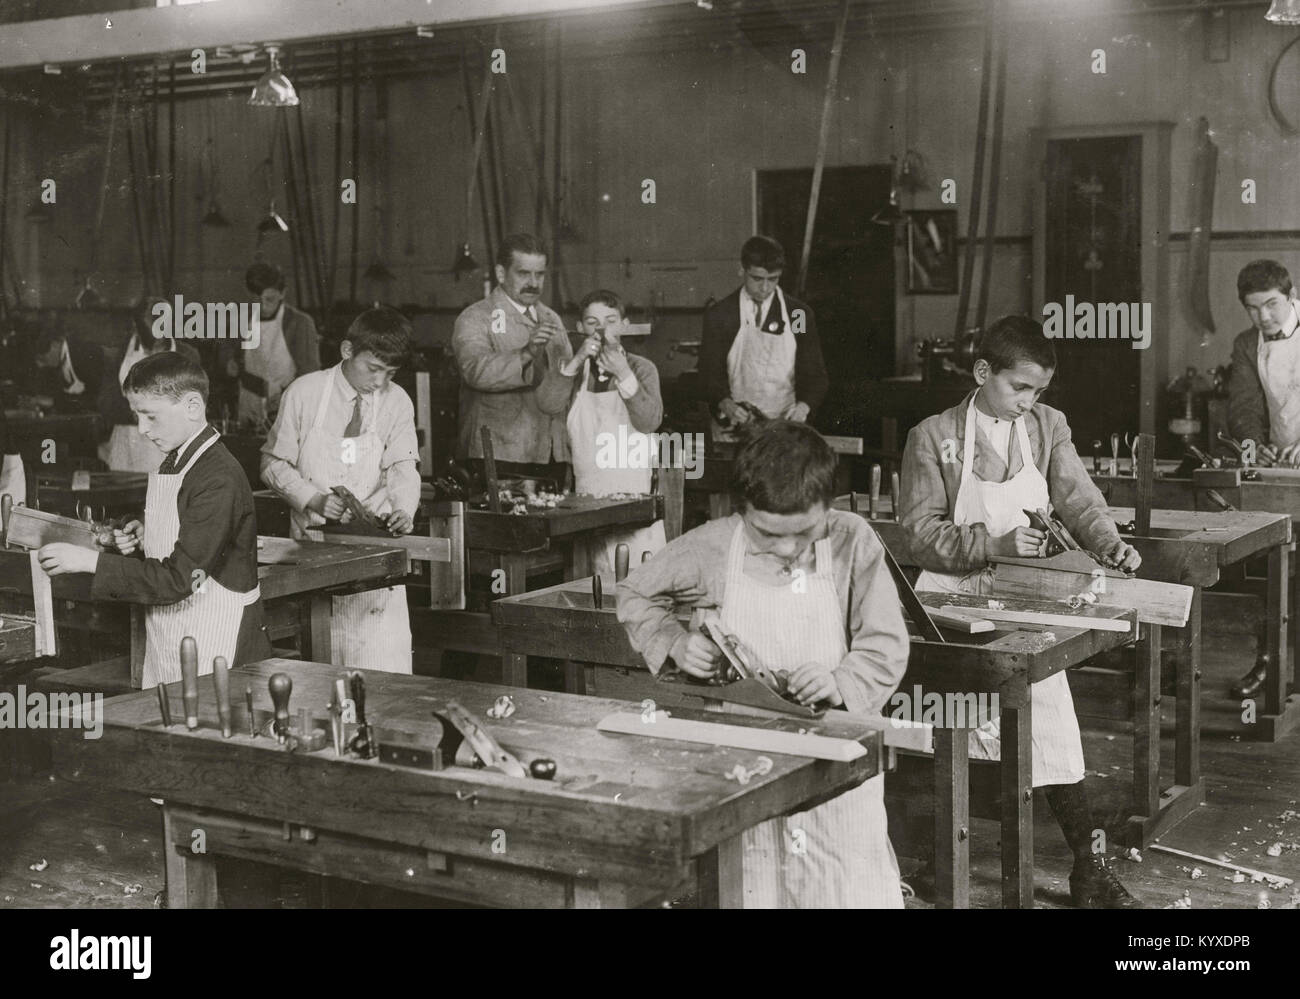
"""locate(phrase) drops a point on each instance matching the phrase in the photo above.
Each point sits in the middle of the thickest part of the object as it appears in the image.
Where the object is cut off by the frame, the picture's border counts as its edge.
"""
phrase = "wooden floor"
(101, 849)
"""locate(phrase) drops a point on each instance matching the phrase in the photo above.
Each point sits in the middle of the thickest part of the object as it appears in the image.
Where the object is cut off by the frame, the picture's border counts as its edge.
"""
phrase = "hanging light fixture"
(272, 222)
(1284, 12)
(378, 272)
(890, 214)
(464, 262)
(214, 216)
(273, 89)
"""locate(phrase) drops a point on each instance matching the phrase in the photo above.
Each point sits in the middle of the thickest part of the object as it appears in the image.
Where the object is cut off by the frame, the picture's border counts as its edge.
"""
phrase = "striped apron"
(837, 855)
(1000, 507)
(211, 614)
(368, 630)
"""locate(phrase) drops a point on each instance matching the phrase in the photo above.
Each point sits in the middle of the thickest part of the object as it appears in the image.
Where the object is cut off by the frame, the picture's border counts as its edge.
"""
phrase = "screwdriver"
(248, 702)
(164, 708)
(190, 681)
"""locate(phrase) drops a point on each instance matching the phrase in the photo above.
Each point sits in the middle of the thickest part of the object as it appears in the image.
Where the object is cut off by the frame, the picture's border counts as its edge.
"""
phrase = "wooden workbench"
(625, 821)
(711, 482)
(1275, 491)
(307, 573)
(116, 493)
(562, 622)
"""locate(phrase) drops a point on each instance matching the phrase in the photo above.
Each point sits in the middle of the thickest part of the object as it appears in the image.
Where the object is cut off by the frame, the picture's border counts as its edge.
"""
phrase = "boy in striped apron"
(193, 560)
(1015, 455)
(804, 588)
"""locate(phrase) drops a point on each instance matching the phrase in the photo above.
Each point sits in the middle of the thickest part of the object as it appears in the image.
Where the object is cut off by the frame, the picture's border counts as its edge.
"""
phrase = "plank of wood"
(844, 445)
(969, 624)
(1080, 621)
(1277, 878)
(1144, 457)
(817, 747)
(43, 602)
(1156, 602)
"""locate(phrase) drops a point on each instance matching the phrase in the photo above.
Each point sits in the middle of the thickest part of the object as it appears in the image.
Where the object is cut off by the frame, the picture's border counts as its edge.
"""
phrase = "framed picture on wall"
(932, 252)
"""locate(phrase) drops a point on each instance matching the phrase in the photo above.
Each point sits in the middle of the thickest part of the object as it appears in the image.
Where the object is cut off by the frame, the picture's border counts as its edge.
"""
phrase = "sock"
(1069, 803)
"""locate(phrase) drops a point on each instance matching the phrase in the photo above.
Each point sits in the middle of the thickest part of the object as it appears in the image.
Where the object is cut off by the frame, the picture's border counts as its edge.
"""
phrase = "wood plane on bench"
(29, 528)
(748, 691)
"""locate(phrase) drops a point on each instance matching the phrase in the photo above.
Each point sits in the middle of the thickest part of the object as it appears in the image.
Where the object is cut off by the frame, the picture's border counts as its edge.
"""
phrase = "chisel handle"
(645, 557)
(190, 681)
(221, 683)
(621, 555)
(895, 493)
(597, 593)
(853, 501)
(252, 718)
(873, 509)
(164, 706)
(281, 687)
(6, 507)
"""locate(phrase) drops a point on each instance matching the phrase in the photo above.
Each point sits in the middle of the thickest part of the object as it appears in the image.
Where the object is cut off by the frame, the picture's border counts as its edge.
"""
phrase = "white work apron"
(211, 615)
(1278, 364)
(1000, 506)
(593, 414)
(760, 366)
(837, 855)
(372, 629)
(13, 478)
(271, 362)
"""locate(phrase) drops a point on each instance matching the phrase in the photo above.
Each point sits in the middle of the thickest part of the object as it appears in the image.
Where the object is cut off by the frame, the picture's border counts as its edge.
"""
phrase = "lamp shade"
(1284, 12)
(273, 89)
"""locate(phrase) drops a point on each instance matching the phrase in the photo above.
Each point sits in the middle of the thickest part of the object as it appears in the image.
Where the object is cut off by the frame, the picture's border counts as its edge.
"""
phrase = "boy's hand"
(696, 655)
(328, 505)
(127, 540)
(1023, 542)
(1124, 556)
(734, 413)
(614, 361)
(812, 683)
(1289, 455)
(60, 558)
(399, 522)
(590, 348)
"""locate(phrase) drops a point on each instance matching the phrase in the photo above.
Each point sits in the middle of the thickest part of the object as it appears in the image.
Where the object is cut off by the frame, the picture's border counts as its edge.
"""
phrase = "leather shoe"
(1253, 682)
(1093, 885)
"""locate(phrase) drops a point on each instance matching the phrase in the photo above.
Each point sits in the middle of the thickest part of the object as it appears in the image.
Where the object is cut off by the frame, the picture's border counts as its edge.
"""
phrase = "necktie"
(758, 315)
(354, 424)
(168, 467)
(531, 313)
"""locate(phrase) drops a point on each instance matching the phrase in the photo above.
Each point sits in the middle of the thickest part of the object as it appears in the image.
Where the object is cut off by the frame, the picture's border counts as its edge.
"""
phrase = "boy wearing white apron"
(760, 347)
(804, 588)
(1264, 392)
(198, 576)
(351, 426)
(613, 406)
(1015, 455)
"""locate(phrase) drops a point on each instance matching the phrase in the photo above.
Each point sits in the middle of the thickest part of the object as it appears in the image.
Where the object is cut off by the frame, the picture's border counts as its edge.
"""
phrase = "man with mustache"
(510, 349)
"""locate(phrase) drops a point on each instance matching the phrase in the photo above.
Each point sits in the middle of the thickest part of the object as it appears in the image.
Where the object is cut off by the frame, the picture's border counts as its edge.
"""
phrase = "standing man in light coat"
(509, 348)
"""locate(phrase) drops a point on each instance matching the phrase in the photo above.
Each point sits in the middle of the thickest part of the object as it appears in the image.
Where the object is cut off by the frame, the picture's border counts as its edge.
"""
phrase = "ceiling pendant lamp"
(272, 222)
(464, 262)
(214, 217)
(273, 89)
(1284, 12)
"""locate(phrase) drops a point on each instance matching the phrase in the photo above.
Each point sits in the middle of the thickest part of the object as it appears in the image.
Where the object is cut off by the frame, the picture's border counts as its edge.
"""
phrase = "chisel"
(363, 743)
(597, 595)
(621, 553)
(1114, 455)
(281, 687)
(895, 493)
(221, 683)
(873, 500)
(336, 715)
(190, 681)
(248, 703)
(6, 505)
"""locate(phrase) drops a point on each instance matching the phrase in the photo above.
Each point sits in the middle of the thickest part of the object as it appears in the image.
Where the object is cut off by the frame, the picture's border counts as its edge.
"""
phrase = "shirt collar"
(1292, 322)
(747, 299)
(182, 451)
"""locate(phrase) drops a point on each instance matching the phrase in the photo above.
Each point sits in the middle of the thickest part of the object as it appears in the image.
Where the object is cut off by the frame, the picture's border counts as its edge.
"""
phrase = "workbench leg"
(514, 667)
(137, 646)
(191, 877)
(952, 818)
(575, 677)
(1279, 565)
(1146, 721)
(589, 894)
(1017, 808)
(721, 876)
(1187, 719)
(578, 562)
(314, 614)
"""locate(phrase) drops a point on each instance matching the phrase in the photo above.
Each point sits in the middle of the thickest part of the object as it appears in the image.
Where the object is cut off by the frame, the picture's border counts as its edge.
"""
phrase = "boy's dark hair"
(602, 297)
(262, 275)
(142, 317)
(784, 467)
(169, 374)
(519, 242)
(1013, 339)
(764, 252)
(1262, 275)
(384, 332)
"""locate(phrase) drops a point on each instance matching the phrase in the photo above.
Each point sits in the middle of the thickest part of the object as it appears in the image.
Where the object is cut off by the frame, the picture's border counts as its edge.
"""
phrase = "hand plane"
(469, 744)
(741, 681)
(359, 511)
(1063, 552)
